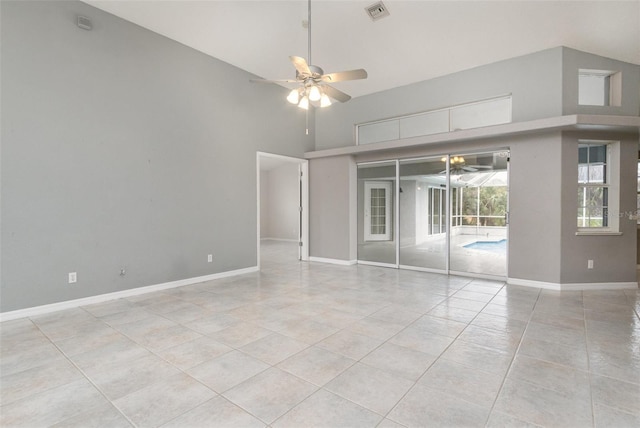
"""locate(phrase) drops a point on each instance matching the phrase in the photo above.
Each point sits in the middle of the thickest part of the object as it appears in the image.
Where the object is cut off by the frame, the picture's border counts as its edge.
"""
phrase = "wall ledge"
(100, 298)
(585, 286)
(590, 122)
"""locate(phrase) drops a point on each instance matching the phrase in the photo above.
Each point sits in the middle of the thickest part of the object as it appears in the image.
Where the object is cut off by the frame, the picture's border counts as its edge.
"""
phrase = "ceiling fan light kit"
(294, 96)
(314, 93)
(304, 103)
(325, 101)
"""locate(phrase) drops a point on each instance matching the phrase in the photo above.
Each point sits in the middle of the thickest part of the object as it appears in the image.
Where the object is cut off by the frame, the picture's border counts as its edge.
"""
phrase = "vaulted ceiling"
(419, 40)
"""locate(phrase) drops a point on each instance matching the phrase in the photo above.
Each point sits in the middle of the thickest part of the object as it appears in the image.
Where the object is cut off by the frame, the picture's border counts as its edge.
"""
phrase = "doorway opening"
(282, 205)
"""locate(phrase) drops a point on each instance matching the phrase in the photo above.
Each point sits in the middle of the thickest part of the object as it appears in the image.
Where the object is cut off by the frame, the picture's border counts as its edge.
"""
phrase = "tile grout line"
(88, 379)
(151, 351)
(220, 394)
(293, 286)
(504, 379)
(386, 416)
(586, 344)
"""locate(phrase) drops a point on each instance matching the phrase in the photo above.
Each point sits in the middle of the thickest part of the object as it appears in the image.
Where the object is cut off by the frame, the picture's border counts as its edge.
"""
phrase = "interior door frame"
(303, 186)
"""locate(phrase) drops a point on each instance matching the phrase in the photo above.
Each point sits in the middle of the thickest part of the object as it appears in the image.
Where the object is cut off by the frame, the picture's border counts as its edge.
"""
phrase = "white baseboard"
(332, 261)
(573, 286)
(279, 239)
(478, 276)
(535, 284)
(70, 304)
(600, 286)
(377, 264)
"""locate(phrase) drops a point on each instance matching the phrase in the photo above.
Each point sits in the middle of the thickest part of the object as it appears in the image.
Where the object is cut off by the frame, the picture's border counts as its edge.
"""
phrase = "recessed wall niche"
(599, 88)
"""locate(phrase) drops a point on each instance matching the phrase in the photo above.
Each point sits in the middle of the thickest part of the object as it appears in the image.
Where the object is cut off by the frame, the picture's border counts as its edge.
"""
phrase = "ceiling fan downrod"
(309, 31)
(313, 83)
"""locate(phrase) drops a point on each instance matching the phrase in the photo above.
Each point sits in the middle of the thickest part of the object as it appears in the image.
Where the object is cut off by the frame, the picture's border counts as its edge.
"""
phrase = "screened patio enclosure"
(450, 216)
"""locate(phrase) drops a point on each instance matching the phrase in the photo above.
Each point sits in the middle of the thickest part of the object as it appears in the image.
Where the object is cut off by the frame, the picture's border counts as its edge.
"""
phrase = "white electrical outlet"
(589, 264)
(209, 258)
(73, 277)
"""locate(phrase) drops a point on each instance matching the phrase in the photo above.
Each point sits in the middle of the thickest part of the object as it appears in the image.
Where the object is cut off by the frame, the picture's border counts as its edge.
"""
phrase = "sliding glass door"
(444, 214)
(376, 213)
(423, 214)
(479, 195)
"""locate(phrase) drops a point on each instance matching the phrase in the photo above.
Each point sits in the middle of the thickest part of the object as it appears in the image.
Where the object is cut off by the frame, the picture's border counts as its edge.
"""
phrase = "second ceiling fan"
(313, 83)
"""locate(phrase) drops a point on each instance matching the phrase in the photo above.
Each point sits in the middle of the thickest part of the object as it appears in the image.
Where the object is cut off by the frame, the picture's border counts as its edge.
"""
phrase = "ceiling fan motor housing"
(316, 72)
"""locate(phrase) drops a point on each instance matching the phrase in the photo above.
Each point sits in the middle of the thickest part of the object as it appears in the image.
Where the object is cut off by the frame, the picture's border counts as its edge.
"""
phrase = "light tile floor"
(307, 344)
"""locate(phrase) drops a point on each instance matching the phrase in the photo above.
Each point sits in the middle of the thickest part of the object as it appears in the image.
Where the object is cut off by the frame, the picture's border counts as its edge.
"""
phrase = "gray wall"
(535, 173)
(535, 81)
(542, 84)
(282, 198)
(543, 245)
(542, 205)
(614, 257)
(534, 199)
(574, 60)
(121, 148)
(332, 209)
(265, 211)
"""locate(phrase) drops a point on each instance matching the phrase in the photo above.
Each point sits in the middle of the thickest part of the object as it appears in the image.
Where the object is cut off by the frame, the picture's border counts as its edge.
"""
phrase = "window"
(599, 88)
(597, 186)
(593, 185)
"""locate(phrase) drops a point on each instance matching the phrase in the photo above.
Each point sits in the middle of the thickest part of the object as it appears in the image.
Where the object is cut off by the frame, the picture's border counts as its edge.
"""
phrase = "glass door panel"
(376, 219)
(479, 192)
(423, 214)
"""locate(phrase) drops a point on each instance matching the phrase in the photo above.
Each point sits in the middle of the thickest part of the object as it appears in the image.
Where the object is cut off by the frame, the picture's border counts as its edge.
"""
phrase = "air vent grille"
(377, 11)
(84, 23)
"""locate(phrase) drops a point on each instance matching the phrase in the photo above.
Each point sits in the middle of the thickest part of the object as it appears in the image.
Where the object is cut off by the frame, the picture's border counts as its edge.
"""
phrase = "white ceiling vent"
(377, 11)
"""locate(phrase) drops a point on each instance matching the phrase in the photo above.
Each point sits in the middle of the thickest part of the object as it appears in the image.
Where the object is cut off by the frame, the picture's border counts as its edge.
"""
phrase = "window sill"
(597, 233)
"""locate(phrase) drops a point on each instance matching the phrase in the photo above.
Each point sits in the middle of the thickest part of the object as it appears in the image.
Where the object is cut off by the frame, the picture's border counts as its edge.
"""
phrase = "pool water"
(499, 247)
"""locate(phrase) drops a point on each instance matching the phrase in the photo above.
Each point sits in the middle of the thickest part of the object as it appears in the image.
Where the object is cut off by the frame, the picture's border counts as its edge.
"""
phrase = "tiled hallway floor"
(307, 344)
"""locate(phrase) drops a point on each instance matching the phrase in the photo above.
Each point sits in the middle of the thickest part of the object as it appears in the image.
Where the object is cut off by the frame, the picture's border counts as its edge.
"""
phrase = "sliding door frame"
(448, 214)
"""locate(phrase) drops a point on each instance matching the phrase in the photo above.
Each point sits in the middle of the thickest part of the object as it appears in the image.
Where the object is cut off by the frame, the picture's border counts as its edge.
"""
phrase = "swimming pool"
(498, 247)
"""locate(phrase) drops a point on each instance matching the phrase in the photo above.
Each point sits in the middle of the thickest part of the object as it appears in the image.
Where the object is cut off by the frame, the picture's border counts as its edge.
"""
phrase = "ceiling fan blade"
(342, 76)
(335, 94)
(469, 169)
(273, 81)
(301, 65)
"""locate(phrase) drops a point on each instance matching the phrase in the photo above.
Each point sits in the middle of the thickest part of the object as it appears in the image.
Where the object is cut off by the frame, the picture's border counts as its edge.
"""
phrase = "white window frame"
(388, 187)
(612, 183)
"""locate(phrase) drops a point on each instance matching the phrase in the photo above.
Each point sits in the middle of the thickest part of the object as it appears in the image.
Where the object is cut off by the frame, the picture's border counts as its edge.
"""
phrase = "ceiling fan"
(458, 164)
(313, 84)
